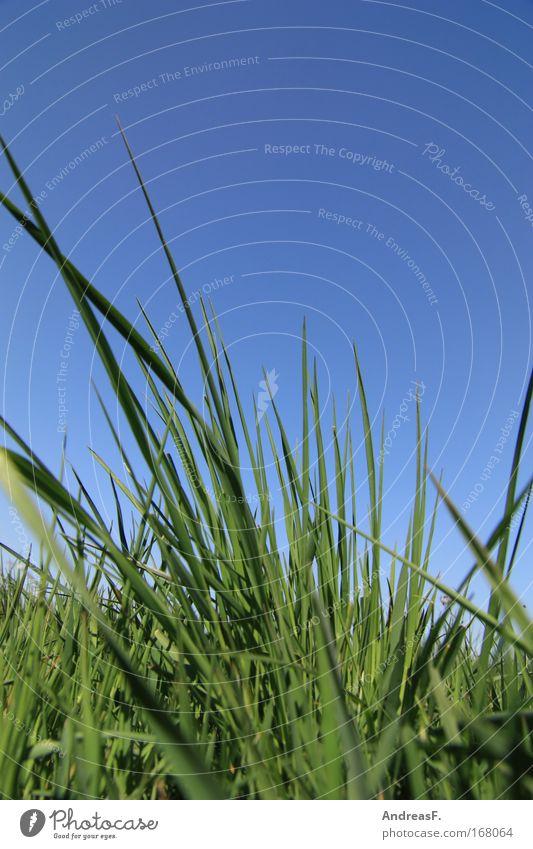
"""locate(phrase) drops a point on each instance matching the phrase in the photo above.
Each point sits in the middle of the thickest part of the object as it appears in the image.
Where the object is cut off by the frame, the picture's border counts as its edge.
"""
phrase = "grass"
(181, 654)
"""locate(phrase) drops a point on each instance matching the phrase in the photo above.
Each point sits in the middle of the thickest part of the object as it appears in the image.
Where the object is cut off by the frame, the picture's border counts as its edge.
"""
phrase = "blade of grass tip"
(190, 774)
(353, 505)
(369, 448)
(374, 602)
(290, 465)
(85, 493)
(431, 530)
(217, 365)
(120, 517)
(327, 544)
(207, 372)
(126, 462)
(519, 532)
(236, 396)
(305, 432)
(419, 509)
(381, 474)
(342, 537)
(513, 479)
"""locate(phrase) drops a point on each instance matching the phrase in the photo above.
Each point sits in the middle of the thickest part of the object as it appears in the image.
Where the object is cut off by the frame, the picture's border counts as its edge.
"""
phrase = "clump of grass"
(186, 656)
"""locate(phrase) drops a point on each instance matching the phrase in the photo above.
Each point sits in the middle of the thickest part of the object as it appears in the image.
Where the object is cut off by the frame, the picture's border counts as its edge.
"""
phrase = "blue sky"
(363, 164)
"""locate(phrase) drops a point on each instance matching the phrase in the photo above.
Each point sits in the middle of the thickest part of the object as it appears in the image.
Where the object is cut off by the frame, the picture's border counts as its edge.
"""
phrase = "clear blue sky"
(364, 164)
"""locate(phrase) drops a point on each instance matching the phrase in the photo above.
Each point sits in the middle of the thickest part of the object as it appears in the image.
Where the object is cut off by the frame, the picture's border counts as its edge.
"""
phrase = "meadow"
(207, 645)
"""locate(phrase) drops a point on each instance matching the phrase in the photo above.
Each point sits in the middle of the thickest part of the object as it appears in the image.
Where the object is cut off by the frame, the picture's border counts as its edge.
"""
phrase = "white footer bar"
(268, 825)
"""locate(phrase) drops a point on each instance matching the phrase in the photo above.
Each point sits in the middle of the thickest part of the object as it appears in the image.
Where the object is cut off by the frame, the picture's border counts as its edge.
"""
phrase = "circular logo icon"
(32, 822)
